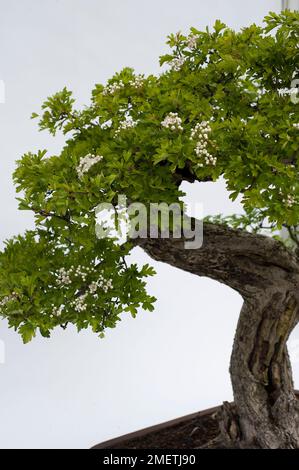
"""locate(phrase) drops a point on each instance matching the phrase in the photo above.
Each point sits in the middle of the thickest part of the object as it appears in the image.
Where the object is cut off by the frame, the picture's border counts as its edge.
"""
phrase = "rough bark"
(265, 412)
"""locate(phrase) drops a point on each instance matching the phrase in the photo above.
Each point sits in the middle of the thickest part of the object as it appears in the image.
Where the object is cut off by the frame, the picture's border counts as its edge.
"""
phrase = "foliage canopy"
(220, 109)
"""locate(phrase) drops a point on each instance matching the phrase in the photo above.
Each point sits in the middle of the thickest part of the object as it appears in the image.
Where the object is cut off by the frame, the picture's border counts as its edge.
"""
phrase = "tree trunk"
(265, 412)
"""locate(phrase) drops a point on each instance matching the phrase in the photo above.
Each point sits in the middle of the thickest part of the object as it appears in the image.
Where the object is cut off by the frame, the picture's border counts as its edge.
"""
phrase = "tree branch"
(244, 261)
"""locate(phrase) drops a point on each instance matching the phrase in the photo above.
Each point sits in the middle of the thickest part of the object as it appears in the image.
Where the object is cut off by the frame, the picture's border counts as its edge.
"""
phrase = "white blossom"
(192, 41)
(63, 278)
(87, 162)
(172, 121)
(177, 63)
(127, 123)
(102, 284)
(296, 125)
(200, 129)
(289, 200)
(93, 287)
(56, 311)
(200, 133)
(79, 304)
(137, 82)
(177, 37)
(7, 299)
(113, 87)
(82, 271)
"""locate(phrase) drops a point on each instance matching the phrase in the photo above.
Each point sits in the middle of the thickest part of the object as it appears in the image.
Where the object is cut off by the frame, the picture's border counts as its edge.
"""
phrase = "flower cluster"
(296, 125)
(57, 311)
(102, 284)
(7, 299)
(192, 41)
(63, 277)
(289, 200)
(172, 121)
(86, 163)
(127, 123)
(177, 63)
(113, 87)
(200, 133)
(81, 271)
(177, 37)
(137, 81)
(79, 303)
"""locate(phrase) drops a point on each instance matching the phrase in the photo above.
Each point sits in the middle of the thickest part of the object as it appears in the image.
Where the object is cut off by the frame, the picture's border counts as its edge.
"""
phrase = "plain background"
(76, 390)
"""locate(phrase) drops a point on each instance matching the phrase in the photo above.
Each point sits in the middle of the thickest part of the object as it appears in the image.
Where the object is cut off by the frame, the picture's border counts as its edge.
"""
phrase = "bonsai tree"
(221, 108)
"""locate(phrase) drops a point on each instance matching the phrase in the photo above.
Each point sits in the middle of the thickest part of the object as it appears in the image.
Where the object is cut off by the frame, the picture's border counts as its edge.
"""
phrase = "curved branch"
(244, 261)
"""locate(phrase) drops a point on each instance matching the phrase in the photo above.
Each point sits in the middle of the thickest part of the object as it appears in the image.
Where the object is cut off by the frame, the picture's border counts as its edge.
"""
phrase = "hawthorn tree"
(220, 109)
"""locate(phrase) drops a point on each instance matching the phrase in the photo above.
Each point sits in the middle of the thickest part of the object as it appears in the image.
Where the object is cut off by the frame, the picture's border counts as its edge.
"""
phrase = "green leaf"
(27, 332)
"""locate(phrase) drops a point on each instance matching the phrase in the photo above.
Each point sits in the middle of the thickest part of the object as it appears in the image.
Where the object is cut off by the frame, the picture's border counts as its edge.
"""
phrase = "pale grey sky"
(76, 390)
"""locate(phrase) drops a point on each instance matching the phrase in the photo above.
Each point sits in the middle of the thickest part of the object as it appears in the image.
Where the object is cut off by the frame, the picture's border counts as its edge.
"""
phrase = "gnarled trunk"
(265, 413)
